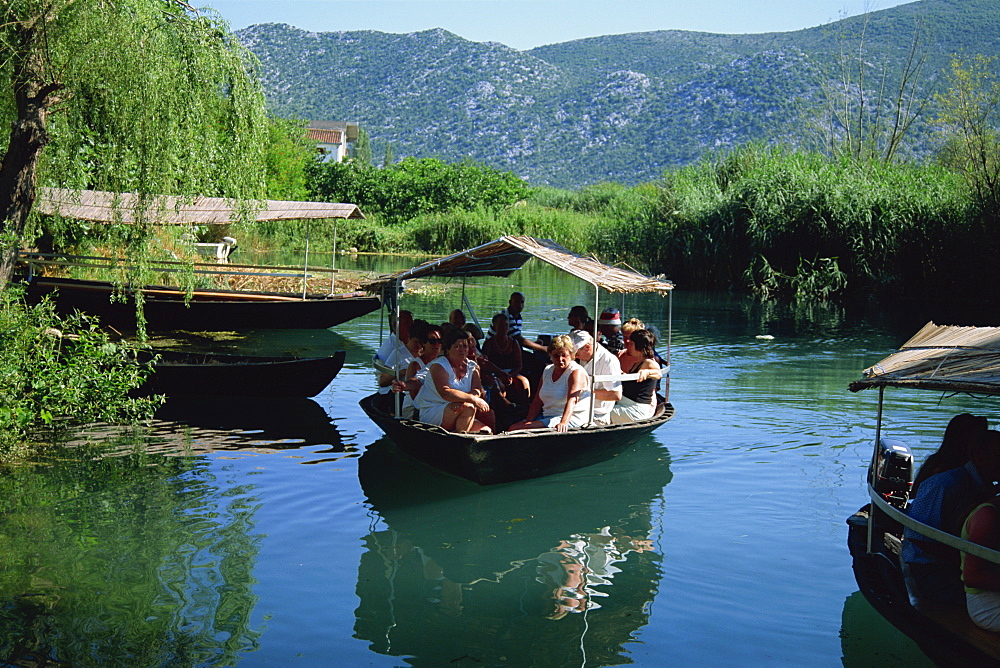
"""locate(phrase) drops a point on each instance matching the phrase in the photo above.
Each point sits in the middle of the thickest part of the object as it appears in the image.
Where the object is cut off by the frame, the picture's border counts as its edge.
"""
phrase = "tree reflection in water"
(128, 560)
(508, 574)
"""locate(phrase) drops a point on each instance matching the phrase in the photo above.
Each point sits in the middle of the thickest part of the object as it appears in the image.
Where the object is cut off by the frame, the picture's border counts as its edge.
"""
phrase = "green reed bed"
(758, 219)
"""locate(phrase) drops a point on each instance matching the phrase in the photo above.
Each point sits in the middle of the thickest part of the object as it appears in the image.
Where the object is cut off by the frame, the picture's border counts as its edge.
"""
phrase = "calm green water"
(272, 533)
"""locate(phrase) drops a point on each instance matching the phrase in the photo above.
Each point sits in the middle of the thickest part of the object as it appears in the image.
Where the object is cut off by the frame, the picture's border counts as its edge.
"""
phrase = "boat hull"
(167, 309)
(507, 457)
(205, 374)
(946, 635)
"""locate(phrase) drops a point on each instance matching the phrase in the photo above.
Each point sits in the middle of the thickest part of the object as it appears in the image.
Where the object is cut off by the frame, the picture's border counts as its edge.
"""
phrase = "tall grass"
(757, 219)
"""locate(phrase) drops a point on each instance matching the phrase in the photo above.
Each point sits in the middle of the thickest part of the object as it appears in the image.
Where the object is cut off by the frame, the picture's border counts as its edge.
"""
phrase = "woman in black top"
(638, 400)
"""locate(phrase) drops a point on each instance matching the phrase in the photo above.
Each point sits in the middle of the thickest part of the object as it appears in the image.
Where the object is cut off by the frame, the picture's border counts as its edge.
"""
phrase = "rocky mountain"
(619, 107)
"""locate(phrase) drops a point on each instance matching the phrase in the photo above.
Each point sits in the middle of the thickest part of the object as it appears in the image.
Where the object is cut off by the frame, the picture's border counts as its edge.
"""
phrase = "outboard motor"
(893, 474)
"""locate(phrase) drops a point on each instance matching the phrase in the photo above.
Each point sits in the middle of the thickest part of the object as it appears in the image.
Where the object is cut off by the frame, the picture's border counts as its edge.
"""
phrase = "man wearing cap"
(610, 327)
(598, 361)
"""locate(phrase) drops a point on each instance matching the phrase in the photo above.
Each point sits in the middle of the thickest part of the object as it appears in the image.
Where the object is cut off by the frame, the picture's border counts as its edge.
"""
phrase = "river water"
(293, 533)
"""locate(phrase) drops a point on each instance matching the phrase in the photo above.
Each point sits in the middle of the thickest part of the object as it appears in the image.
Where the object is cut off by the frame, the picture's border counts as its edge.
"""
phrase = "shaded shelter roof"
(503, 256)
(941, 357)
(108, 207)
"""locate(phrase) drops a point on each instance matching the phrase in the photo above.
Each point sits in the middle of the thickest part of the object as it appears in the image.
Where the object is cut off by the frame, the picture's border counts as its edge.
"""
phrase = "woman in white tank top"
(563, 397)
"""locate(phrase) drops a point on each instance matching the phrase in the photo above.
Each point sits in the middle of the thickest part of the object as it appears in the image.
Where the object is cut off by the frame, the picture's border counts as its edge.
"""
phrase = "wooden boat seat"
(955, 619)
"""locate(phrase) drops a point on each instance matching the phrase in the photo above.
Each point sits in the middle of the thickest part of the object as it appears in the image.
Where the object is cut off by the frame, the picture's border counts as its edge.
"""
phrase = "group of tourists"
(955, 491)
(559, 382)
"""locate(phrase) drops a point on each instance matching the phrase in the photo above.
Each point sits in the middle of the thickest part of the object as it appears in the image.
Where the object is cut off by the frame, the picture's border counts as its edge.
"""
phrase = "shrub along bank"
(758, 220)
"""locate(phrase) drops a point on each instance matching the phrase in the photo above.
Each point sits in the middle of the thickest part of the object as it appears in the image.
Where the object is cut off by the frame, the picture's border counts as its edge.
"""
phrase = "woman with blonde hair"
(563, 397)
(627, 356)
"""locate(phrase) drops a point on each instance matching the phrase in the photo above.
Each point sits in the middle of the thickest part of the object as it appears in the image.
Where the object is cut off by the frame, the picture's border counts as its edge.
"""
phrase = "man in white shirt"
(391, 342)
(599, 362)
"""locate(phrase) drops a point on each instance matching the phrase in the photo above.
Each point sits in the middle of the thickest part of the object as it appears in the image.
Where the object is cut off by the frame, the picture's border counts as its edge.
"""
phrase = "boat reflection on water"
(868, 638)
(257, 424)
(510, 574)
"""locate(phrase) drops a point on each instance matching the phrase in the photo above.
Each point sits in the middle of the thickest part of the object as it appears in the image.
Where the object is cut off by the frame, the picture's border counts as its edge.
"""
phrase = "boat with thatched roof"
(509, 456)
(938, 358)
(168, 308)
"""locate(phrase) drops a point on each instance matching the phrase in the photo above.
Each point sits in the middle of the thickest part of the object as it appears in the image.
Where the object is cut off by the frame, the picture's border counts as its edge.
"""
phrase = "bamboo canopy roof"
(941, 357)
(108, 207)
(503, 256)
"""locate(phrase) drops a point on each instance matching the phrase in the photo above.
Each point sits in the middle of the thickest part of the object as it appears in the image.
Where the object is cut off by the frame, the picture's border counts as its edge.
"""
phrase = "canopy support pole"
(395, 305)
(333, 263)
(871, 469)
(305, 263)
(593, 356)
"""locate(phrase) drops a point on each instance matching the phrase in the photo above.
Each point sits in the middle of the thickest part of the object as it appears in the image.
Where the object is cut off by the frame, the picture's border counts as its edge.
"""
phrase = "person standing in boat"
(638, 400)
(452, 394)
(932, 570)
(598, 361)
(515, 322)
(563, 397)
(579, 318)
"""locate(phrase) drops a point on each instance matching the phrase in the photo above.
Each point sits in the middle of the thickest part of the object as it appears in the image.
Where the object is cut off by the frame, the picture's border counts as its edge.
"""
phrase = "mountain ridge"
(614, 107)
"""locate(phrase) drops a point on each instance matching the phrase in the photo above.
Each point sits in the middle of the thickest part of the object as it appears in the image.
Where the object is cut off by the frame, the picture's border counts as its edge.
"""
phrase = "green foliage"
(151, 97)
(57, 373)
(157, 98)
(970, 118)
(412, 187)
(363, 148)
(287, 155)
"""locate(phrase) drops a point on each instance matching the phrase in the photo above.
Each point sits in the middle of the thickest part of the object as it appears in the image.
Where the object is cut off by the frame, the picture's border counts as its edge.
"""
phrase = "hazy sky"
(524, 24)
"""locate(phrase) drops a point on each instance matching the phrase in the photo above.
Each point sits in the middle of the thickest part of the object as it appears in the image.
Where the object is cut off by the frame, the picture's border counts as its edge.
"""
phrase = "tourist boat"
(169, 308)
(488, 459)
(509, 456)
(177, 374)
(945, 359)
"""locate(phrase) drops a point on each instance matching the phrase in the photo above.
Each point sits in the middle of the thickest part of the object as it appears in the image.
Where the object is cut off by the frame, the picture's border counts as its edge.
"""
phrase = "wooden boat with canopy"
(943, 359)
(172, 308)
(509, 456)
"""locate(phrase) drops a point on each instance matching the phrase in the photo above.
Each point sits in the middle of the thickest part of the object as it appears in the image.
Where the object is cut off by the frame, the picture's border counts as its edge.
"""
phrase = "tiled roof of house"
(325, 136)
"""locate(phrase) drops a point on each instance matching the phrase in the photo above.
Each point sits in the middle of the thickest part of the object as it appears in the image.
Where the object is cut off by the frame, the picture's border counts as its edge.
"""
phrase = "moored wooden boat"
(941, 359)
(167, 308)
(178, 374)
(489, 459)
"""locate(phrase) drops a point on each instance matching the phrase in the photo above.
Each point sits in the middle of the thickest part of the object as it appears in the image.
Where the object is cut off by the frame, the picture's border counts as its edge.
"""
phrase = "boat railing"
(948, 539)
(167, 266)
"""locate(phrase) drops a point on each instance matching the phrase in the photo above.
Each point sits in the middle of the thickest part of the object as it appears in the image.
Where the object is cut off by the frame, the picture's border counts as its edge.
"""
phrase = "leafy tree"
(287, 154)
(970, 115)
(153, 97)
(363, 147)
(416, 186)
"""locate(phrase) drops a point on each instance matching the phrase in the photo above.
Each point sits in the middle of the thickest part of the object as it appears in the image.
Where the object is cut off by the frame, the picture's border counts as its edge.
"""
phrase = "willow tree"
(145, 96)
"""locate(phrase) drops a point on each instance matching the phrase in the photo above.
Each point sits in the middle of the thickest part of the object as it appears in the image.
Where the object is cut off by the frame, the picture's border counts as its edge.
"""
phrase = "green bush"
(58, 373)
(412, 187)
